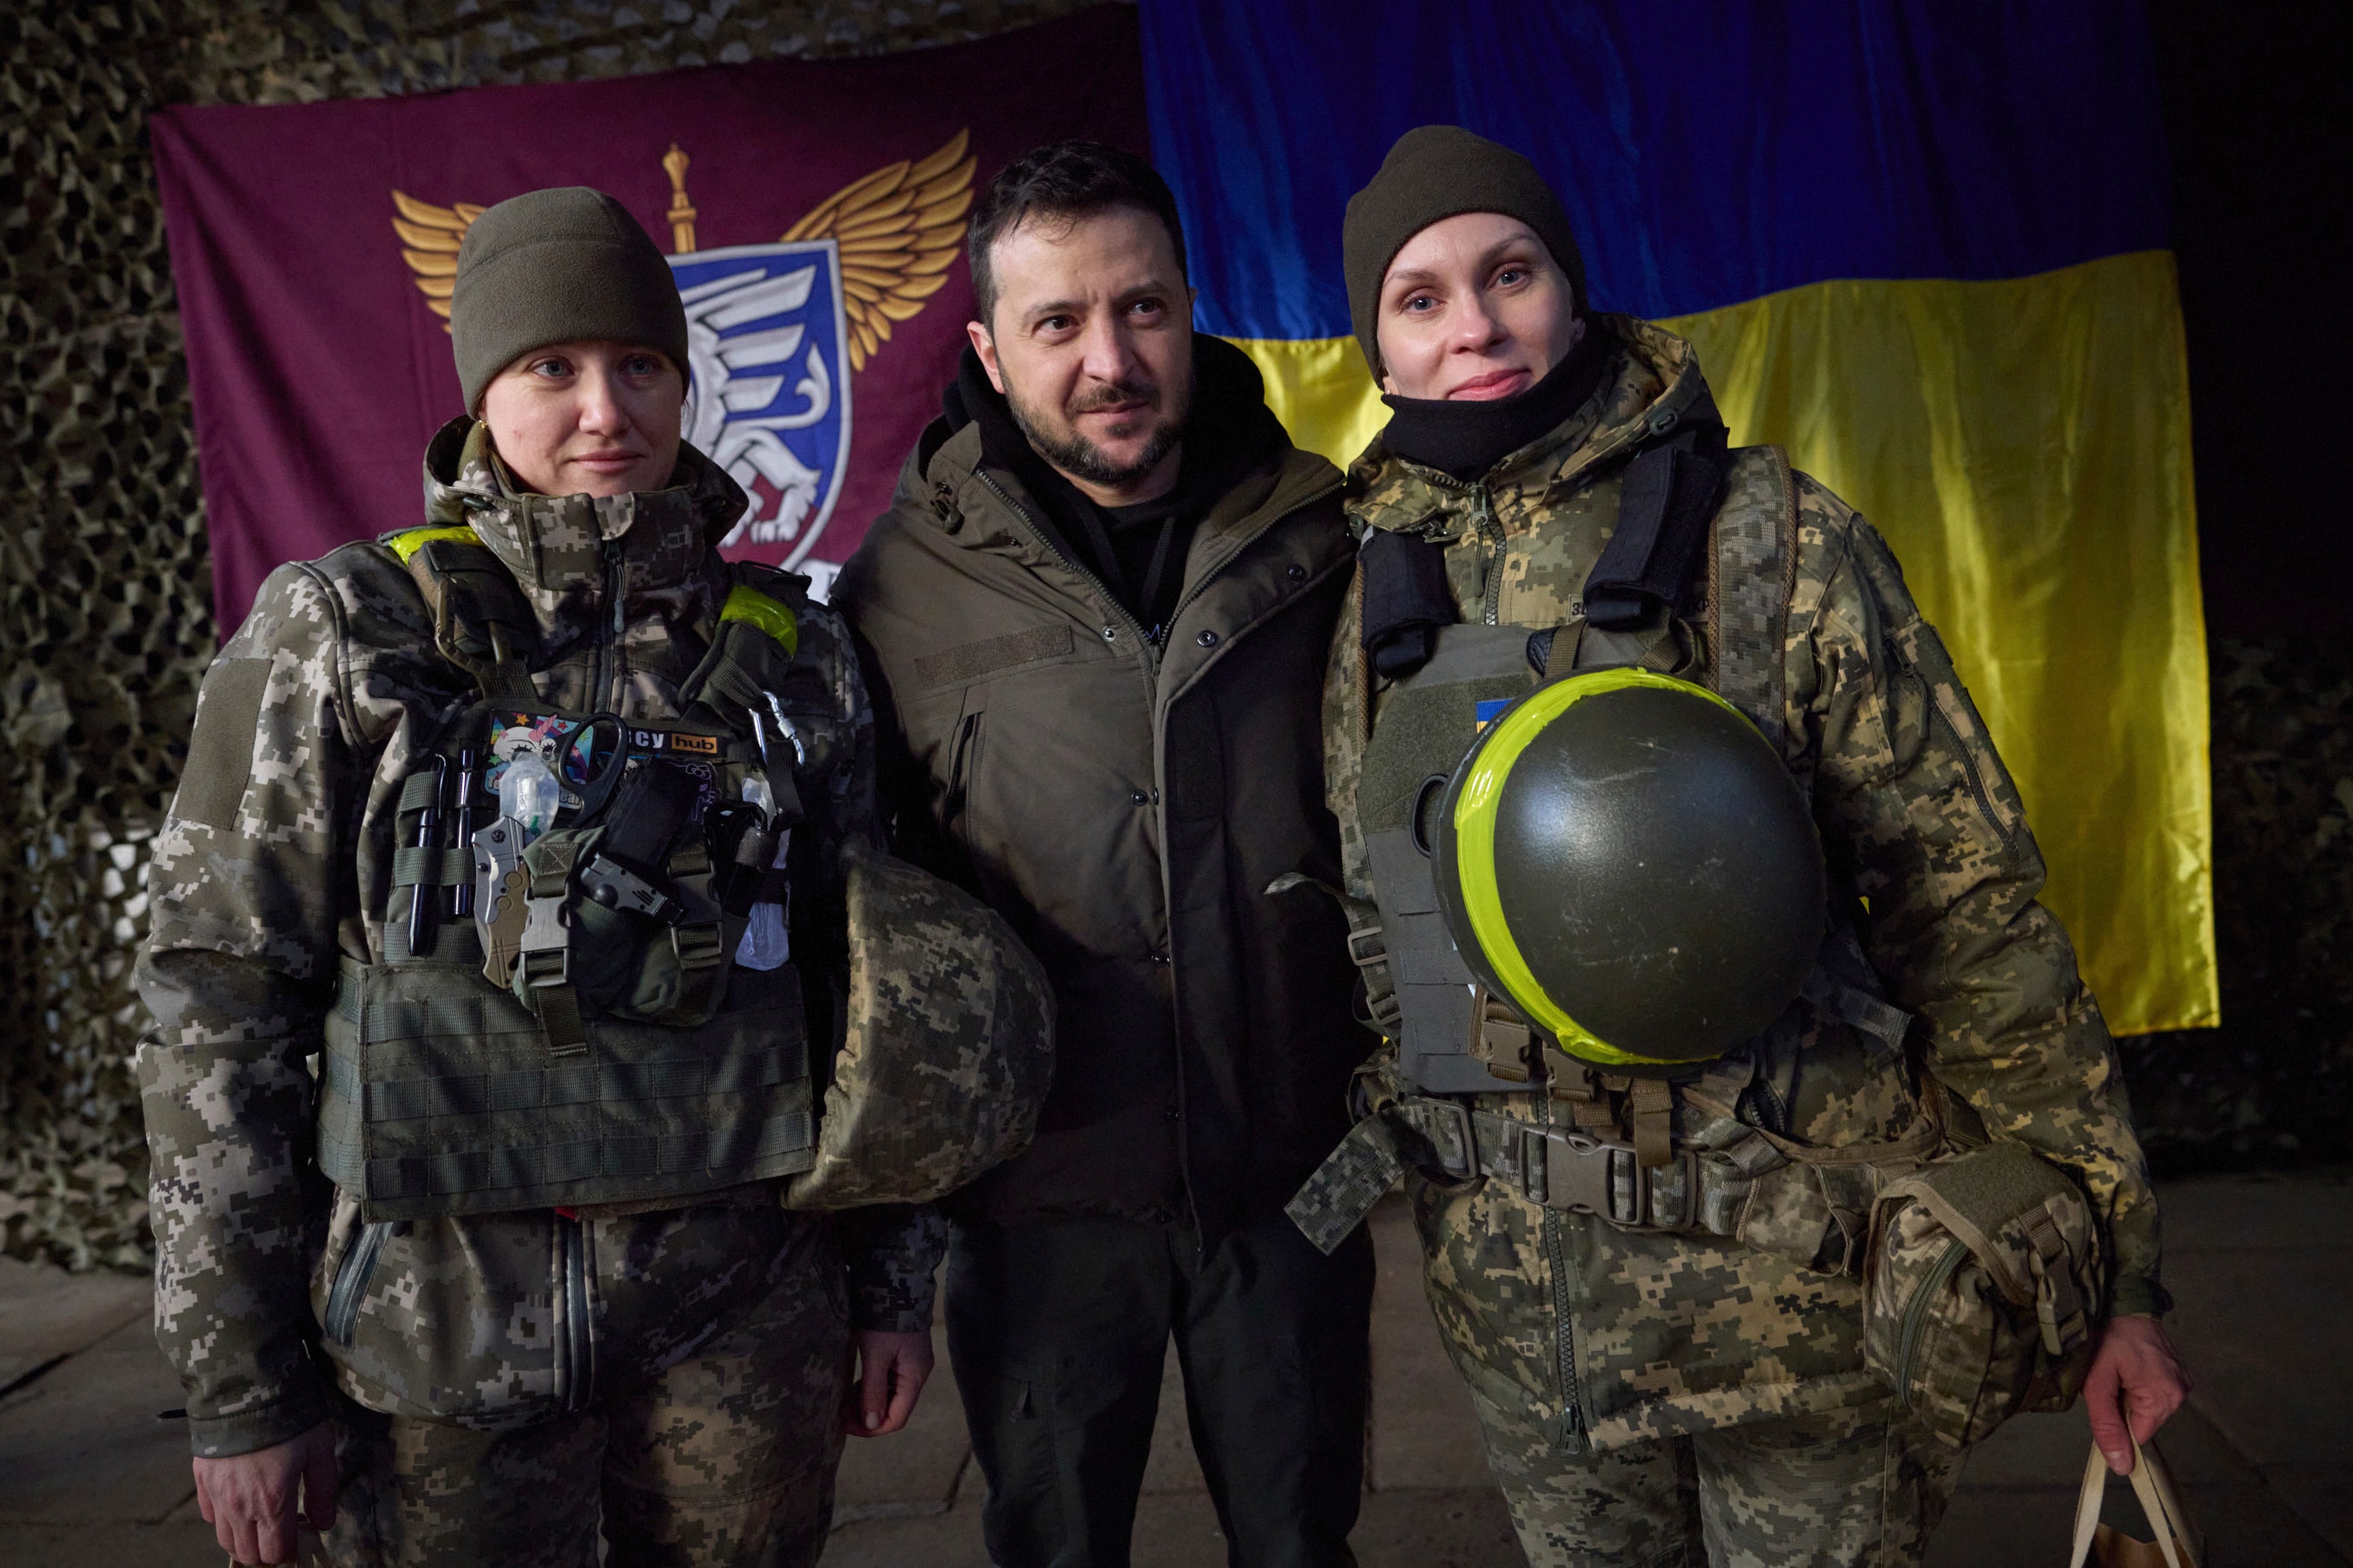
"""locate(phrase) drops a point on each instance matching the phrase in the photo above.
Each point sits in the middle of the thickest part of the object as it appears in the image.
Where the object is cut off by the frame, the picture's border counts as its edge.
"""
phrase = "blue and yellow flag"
(1922, 246)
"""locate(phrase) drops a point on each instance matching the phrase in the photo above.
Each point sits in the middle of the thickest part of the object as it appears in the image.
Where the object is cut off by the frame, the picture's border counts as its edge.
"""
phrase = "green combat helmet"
(1624, 857)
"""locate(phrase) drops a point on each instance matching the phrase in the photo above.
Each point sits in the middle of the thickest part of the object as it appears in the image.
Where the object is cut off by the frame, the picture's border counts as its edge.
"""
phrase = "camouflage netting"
(105, 602)
(105, 588)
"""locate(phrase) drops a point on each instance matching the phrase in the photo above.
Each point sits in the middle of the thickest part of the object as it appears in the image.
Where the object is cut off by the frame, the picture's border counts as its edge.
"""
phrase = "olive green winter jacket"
(1127, 806)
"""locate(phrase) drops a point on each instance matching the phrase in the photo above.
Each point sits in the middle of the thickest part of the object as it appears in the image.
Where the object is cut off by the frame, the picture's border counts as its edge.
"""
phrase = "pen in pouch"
(428, 834)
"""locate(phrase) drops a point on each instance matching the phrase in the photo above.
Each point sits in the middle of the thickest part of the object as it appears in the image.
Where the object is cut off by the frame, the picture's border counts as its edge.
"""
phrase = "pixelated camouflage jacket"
(1626, 1334)
(276, 861)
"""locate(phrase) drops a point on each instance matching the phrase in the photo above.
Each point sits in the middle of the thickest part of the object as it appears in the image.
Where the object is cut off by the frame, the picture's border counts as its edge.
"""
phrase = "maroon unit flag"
(815, 213)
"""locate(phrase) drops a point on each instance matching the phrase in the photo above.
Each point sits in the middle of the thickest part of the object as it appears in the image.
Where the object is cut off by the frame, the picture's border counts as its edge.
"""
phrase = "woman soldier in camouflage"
(1653, 1387)
(523, 1271)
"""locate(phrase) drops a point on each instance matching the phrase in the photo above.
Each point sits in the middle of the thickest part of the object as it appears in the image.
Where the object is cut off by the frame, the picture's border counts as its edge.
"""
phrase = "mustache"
(1111, 394)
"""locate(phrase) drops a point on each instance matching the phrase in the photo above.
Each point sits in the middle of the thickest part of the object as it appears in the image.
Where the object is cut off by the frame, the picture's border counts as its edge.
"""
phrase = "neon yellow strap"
(1474, 845)
(769, 615)
(406, 546)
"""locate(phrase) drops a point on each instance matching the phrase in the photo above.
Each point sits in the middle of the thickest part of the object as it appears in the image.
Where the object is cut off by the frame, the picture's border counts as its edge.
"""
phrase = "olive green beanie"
(563, 265)
(1438, 171)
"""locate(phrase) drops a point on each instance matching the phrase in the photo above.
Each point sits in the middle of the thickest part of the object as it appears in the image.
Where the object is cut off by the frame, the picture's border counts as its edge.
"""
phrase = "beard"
(1080, 459)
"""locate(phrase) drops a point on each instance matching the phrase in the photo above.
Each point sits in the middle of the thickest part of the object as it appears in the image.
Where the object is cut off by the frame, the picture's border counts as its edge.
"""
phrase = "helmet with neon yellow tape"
(1627, 860)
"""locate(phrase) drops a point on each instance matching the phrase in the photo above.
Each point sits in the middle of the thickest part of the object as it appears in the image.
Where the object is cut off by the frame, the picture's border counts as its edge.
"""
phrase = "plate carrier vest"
(1455, 1037)
(607, 1049)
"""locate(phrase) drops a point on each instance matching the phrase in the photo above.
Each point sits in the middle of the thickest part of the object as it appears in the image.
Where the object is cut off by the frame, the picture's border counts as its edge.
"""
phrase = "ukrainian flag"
(1921, 246)
(1918, 244)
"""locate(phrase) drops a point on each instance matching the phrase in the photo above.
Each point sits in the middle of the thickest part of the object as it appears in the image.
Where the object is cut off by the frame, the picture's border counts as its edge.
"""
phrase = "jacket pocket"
(1927, 699)
(964, 754)
(447, 1321)
(352, 1277)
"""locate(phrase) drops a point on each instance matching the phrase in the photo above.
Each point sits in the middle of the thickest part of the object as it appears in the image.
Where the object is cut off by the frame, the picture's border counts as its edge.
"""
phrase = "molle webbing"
(443, 866)
(439, 1095)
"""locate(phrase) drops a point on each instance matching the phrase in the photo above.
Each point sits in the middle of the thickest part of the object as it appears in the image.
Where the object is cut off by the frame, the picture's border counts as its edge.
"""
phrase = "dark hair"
(1068, 180)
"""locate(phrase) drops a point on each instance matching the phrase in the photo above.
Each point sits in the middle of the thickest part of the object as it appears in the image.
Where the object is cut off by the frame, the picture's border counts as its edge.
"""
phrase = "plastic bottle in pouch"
(766, 943)
(529, 794)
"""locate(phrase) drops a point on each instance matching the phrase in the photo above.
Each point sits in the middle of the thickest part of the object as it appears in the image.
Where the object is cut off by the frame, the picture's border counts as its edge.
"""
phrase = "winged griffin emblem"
(775, 332)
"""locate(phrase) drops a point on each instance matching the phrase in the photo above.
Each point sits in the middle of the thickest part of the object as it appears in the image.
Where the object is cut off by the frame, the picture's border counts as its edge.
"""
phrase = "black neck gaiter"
(1467, 439)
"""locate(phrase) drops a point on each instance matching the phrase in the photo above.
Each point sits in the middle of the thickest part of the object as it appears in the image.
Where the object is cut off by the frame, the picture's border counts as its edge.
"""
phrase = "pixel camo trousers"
(1854, 1489)
(703, 1463)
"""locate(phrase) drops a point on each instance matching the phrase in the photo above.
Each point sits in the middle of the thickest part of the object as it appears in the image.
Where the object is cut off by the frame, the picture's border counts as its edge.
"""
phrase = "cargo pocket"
(964, 758)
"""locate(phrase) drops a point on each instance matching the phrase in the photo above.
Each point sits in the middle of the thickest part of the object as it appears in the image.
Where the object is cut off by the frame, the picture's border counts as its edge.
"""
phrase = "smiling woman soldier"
(475, 821)
(1653, 1110)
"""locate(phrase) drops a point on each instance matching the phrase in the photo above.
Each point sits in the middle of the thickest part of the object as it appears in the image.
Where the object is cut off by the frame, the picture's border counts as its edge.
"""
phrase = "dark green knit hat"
(562, 265)
(1438, 171)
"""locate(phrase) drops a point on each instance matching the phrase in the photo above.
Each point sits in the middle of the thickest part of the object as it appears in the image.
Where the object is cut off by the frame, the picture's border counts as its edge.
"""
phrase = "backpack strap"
(1669, 492)
(480, 621)
(1405, 600)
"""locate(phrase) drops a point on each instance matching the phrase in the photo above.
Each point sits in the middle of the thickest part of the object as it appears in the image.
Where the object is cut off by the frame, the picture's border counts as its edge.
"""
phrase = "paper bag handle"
(2158, 1501)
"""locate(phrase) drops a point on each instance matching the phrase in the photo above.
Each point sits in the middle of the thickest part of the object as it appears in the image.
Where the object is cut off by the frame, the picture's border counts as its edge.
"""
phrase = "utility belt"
(1562, 1168)
(1722, 1178)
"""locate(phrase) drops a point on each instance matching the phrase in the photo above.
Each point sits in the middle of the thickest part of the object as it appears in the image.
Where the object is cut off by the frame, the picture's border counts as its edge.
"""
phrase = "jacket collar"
(969, 488)
(1655, 385)
(558, 547)
(970, 498)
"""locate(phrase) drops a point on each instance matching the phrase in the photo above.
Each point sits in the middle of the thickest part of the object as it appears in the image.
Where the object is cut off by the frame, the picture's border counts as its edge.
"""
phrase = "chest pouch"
(624, 914)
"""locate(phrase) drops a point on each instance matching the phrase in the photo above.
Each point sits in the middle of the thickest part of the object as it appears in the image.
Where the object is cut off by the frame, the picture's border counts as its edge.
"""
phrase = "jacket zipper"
(1970, 766)
(1915, 1315)
(1485, 526)
(575, 1344)
(351, 1277)
(1572, 1410)
(1491, 528)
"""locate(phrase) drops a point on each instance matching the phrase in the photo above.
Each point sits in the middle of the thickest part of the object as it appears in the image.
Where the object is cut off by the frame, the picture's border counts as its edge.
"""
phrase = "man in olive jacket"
(1097, 614)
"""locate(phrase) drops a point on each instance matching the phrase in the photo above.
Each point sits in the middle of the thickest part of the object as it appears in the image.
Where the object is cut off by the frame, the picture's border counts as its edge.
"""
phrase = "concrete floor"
(2262, 1267)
